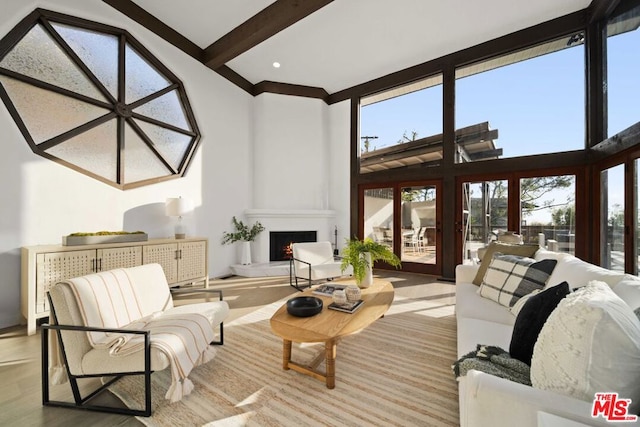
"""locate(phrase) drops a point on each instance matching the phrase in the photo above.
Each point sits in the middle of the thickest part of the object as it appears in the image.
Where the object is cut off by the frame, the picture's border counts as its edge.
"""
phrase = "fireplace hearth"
(280, 242)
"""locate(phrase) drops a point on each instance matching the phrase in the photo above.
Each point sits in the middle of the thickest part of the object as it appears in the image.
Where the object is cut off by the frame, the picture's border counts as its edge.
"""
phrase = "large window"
(485, 208)
(528, 102)
(623, 63)
(92, 98)
(548, 211)
(546, 216)
(402, 127)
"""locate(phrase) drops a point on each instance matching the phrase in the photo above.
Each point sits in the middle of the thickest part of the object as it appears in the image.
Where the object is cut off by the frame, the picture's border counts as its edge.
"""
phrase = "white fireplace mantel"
(289, 213)
(320, 220)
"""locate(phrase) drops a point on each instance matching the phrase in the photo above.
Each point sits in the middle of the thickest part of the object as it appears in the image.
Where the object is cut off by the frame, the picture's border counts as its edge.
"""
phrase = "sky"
(544, 114)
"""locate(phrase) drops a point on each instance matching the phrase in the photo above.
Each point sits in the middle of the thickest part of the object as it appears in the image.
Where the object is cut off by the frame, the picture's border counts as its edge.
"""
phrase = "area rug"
(395, 372)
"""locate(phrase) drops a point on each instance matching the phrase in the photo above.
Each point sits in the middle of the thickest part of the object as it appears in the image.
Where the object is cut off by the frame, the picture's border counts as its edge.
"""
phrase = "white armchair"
(123, 322)
(314, 261)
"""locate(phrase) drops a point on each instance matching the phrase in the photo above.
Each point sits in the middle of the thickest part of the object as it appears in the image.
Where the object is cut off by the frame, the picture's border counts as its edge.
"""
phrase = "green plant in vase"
(245, 234)
(361, 254)
(242, 232)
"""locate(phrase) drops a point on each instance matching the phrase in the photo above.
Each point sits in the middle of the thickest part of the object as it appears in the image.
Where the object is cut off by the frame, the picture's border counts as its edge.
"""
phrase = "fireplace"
(280, 242)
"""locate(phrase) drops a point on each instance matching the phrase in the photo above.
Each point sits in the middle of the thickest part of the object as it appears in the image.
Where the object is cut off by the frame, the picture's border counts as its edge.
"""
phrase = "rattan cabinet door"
(192, 260)
(55, 266)
(126, 257)
(164, 254)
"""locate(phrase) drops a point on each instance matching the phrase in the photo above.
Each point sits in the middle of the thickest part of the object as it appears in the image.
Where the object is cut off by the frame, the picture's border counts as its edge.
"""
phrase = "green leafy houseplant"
(353, 255)
(242, 232)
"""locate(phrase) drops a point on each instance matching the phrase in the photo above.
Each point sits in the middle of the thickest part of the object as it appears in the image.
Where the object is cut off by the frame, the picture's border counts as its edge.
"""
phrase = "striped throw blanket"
(109, 300)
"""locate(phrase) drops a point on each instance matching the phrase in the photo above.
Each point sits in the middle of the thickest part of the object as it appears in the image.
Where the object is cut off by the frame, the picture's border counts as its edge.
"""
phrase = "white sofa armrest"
(518, 405)
(466, 273)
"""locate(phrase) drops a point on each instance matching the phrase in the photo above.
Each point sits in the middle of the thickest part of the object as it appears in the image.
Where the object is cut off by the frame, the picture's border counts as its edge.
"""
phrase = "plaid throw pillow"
(510, 277)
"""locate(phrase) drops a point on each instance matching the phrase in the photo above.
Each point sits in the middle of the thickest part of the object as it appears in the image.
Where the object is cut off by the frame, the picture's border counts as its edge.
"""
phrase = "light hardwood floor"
(20, 395)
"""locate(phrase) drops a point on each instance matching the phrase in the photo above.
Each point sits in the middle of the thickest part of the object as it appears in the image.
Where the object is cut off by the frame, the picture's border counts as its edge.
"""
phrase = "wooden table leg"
(286, 354)
(330, 349)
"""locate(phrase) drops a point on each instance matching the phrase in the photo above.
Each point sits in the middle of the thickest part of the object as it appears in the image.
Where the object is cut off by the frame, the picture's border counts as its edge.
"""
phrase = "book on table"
(349, 307)
(327, 289)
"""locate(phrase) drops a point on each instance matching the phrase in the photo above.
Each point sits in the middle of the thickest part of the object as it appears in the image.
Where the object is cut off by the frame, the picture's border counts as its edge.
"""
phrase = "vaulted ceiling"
(327, 46)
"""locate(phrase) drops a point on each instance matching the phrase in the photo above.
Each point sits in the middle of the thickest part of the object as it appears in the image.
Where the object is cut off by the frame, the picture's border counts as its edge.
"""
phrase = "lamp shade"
(178, 206)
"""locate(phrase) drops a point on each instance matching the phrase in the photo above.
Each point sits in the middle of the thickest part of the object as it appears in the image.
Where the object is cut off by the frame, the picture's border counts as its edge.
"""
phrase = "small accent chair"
(415, 240)
(314, 261)
(130, 302)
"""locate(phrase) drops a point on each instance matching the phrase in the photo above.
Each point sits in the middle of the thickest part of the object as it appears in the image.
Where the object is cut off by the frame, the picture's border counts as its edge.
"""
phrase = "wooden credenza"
(184, 262)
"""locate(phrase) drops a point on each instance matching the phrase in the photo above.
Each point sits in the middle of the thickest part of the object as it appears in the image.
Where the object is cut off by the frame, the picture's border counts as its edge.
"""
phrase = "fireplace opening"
(280, 243)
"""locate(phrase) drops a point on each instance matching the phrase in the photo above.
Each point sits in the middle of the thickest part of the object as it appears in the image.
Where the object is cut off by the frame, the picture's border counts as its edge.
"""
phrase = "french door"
(406, 217)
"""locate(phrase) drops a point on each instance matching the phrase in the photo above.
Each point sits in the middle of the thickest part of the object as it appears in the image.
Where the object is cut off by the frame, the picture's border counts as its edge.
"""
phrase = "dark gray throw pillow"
(531, 318)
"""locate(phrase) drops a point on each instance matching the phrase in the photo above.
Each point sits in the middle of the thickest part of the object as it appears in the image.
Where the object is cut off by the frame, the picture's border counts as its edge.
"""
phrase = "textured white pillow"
(590, 343)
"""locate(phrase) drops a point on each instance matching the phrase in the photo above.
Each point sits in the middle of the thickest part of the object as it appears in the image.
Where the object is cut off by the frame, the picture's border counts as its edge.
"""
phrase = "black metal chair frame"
(293, 276)
(187, 291)
(81, 402)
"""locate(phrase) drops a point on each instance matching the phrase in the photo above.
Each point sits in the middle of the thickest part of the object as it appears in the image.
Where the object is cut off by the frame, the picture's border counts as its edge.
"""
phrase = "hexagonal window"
(92, 98)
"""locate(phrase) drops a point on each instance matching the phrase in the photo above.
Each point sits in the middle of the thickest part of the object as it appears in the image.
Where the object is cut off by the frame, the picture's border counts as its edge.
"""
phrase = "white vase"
(245, 253)
(367, 280)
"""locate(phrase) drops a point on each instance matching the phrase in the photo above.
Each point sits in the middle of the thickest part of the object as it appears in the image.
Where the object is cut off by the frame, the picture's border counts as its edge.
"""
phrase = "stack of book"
(327, 289)
(348, 307)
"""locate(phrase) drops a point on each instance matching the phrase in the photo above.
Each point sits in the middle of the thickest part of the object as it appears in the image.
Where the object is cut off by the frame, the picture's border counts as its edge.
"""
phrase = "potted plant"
(245, 234)
(361, 254)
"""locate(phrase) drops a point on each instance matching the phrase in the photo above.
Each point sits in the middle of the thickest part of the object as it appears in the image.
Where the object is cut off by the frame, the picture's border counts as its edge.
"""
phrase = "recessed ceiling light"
(276, 65)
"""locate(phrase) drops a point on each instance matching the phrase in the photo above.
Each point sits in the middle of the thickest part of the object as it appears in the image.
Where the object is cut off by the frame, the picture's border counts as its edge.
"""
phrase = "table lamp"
(178, 207)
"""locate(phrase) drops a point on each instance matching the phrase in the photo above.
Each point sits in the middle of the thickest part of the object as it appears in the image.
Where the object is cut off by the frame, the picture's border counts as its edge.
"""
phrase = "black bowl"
(304, 306)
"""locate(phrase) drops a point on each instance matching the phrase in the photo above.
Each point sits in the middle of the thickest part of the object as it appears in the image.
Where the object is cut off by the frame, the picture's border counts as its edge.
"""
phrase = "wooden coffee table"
(329, 326)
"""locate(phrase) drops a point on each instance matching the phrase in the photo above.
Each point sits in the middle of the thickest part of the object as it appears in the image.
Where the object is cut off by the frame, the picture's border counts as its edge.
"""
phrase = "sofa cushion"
(590, 343)
(578, 273)
(629, 290)
(531, 318)
(503, 248)
(471, 332)
(471, 305)
(510, 277)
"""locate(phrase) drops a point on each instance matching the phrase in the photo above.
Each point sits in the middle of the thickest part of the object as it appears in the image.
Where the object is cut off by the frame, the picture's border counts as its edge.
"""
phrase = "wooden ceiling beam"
(147, 20)
(266, 23)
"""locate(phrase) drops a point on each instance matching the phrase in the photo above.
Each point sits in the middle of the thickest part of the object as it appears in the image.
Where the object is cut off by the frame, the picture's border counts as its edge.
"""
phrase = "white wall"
(42, 201)
(290, 153)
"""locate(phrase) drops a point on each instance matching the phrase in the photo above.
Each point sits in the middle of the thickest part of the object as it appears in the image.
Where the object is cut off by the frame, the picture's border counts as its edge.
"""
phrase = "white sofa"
(487, 400)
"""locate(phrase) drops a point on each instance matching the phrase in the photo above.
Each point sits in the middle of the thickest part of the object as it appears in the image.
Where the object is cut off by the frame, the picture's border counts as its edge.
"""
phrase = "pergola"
(475, 142)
